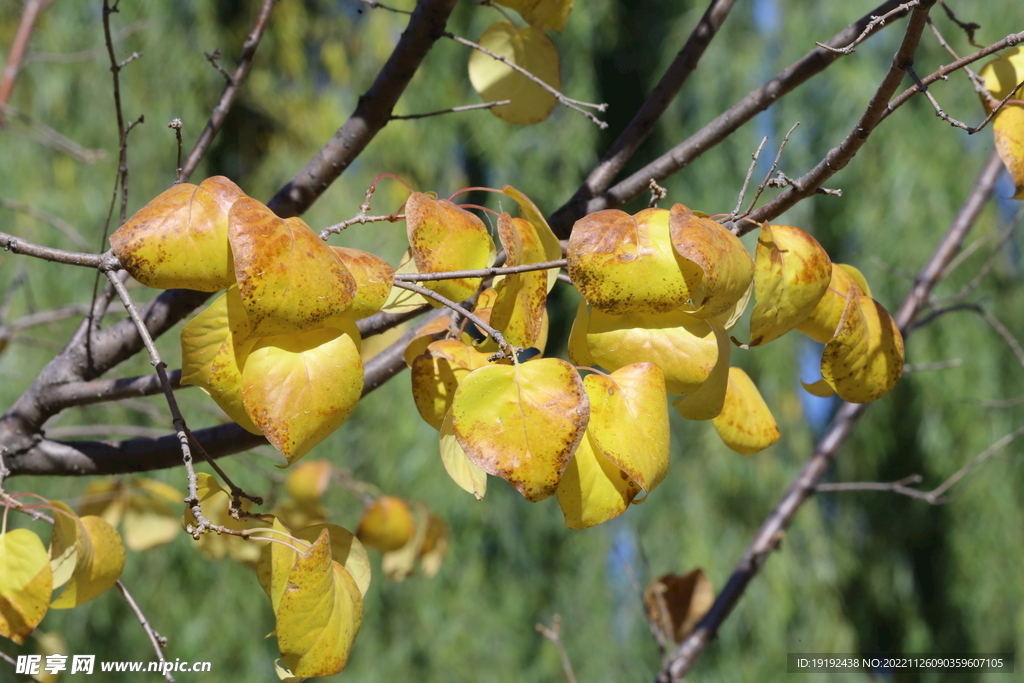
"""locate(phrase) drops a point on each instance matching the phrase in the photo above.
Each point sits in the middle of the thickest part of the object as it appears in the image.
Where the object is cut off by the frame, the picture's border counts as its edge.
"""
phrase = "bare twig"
(483, 272)
(746, 181)
(227, 98)
(106, 260)
(60, 224)
(992, 321)
(766, 540)
(969, 27)
(214, 60)
(767, 182)
(976, 82)
(465, 107)
(28, 20)
(576, 105)
(158, 641)
(41, 318)
(878, 21)
(971, 130)
(175, 124)
(373, 4)
(553, 633)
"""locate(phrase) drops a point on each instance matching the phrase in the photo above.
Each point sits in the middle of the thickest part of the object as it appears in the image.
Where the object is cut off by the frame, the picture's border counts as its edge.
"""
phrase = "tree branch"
(767, 538)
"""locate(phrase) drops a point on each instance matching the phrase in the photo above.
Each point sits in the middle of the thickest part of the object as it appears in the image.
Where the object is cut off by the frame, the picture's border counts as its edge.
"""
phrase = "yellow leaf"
(626, 264)
(150, 518)
(518, 310)
(25, 583)
(682, 345)
(289, 280)
(276, 562)
(629, 421)
(425, 336)
(284, 674)
(97, 560)
(864, 361)
(528, 48)
(542, 14)
(529, 212)
(214, 345)
(386, 524)
(346, 550)
(1002, 74)
(592, 489)
(726, 267)
(319, 614)
(373, 277)
(821, 389)
(402, 300)
(434, 546)
(676, 603)
(106, 498)
(307, 482)
(444, 237)
(522, 422)
(821, 324)
(298, 388)
(791, 275)
(460, 468)
(436, 375)
(745, 423)
(400, 563)
(579, 351)
(180, 239)
(1008, 128)
(707, 401)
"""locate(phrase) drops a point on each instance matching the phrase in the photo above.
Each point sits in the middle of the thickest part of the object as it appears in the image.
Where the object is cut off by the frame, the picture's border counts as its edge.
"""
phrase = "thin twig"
(576, 105)
(878, 22)
(158, 641)
(214, 60)
(60, 224)
(106, 260)
(969, 27)
(553, 633)
(465, 107)
(373, 4)
(976, 82)
(41, 318)
(767, 182)
(746, 181)
(176, 125)
(227, 98)
(483, 272)
(971, 130)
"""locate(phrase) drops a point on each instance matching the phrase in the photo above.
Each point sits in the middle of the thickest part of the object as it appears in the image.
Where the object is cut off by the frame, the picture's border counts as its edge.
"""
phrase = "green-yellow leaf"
(214, 345)
(26, 582)
(725, 266)
(460, 468)
(682, 345)
(592, 489)
(791, 274)
(444, 237)
(436, 375)
(403, 300)
(180, 239)
(626, 264)
(522, 422)
(528, 48)
(529, 212)
(709, 398)
(300, 387)
(277, 560)
(745, 424)
(289, 280)
(346, 550)
(629, 421)
(542, 14)
(319, 614)
(98, 558)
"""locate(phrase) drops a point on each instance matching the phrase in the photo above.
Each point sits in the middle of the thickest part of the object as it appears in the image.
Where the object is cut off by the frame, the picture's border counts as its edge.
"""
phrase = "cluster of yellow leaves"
(279, 350)
(86, 557)
(1001, 77)
(529, 48)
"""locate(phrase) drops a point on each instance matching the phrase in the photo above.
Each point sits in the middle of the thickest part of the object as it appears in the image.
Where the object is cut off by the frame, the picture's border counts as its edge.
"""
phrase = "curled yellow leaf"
(822, 322)
(373, 277)
(518, 310)
(745, 424)
(96, 562)
(676, 603)
(26, 582)
(1008, 128)
(529, 212)
(592, 489)
(528, 48)
(707, 401)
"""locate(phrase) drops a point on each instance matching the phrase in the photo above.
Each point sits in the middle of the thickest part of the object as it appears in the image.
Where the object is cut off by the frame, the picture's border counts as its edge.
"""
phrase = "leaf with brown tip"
(864, 361)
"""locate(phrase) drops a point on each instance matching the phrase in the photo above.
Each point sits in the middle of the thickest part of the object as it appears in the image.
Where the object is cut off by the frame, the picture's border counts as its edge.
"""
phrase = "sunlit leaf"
(522, 422)
(436, 375)
(25, 583)
(745, 424)
(528, 48)
(821, 389)
(791, 275)
(519, 308)
(444, 237)
(1002, 74)
(277, 559)
(676, 603)
(97, 561)
(214, 345)
(821, 324)
(319, 614)
(460, 468)
(579, 351)
(529, 212)
(724, 263)
(629, 421)
(276, 562)
(373, 277)
(289, 280)
(626, 264)
(592, 489)
(542, 14)
(346, 550)
(180, 239)
(403, 300)
(298, 388)
(864, 361)
(425, 336)
(682, 345)
(707, 401)
(386, 524)
(1008, 128)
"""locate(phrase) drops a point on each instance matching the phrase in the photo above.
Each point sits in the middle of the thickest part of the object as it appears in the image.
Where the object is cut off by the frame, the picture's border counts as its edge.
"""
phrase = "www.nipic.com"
(33, 665)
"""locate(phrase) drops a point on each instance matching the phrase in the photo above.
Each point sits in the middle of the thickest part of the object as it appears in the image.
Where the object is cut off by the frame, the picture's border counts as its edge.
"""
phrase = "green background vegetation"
(857, 572)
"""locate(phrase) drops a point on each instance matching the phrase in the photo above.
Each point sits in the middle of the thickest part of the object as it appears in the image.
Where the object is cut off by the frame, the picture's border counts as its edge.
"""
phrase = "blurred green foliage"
(858, 572)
